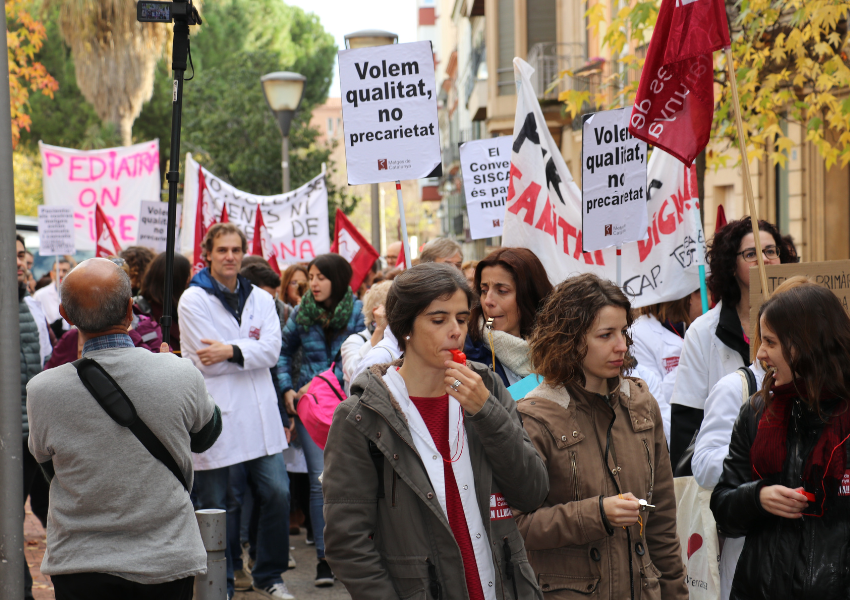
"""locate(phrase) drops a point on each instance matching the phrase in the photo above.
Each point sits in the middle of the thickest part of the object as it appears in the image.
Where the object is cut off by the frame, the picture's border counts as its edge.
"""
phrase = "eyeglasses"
(749, 254)
(117, 260)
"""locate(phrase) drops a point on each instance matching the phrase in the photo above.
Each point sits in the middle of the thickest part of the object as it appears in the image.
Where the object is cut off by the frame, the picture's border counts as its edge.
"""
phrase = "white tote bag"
(698, 537)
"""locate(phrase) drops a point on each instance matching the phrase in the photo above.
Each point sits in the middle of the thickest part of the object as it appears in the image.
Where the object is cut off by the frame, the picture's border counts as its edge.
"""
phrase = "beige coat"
(569, 547)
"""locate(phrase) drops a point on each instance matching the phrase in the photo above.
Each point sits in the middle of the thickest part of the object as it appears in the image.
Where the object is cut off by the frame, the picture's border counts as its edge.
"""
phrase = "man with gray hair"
(121, 524)
(442, 250)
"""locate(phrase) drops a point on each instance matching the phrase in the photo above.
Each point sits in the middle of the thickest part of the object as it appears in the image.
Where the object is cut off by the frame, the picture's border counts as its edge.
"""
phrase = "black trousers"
(99, 586)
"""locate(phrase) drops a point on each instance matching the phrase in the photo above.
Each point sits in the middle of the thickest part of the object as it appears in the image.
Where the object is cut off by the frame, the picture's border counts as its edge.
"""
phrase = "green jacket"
(390, 538)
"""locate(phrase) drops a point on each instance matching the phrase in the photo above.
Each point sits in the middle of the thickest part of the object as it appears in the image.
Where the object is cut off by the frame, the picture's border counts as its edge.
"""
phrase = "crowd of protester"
(433, 482)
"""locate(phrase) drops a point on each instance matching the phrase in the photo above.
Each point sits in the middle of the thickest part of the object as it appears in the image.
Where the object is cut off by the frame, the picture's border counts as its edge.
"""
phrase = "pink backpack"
(316, 407)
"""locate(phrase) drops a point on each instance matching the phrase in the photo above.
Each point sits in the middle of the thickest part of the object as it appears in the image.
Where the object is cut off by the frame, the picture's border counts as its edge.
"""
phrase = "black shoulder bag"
(117, 405)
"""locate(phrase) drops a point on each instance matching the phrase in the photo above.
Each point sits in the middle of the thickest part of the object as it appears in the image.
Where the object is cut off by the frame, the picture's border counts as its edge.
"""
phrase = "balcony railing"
(473, 74)
(548, 60)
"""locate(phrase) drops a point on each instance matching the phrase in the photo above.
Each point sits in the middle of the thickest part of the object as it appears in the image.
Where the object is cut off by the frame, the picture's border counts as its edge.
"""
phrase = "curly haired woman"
(718, 342)
(600, 435)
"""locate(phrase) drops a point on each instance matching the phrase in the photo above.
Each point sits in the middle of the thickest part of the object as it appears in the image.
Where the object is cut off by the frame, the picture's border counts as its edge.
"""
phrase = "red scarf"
(826, 464)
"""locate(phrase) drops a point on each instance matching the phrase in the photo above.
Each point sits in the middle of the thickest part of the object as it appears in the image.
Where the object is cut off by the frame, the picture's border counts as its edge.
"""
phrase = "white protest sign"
(486, 167)
(297, 222)
(543, 214)
(389, 113)
(116, 178)
(56, 231)
(613, 177)
(153, 226)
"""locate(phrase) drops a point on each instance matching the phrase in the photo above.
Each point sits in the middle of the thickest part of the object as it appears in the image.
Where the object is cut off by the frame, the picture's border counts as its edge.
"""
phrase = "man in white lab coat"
(230, 330)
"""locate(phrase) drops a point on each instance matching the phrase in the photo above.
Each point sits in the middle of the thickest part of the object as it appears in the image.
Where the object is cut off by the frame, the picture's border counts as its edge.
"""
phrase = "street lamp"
(368, 38)
(283, 91)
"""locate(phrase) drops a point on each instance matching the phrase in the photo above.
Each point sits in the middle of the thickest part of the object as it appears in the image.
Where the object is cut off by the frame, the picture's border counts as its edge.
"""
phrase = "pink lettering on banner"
(302, 251)
(106, 194)
(85, 195)
(499, 509)
(53, 161)
(125, 227)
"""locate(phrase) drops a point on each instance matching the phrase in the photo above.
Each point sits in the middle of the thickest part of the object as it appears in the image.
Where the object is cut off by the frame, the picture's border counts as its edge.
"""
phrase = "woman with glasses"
(786, 481)
(718, 342)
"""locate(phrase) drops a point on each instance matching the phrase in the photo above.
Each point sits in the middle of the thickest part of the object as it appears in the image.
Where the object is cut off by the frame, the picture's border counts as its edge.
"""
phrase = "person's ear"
(129, 316)
(65, 315)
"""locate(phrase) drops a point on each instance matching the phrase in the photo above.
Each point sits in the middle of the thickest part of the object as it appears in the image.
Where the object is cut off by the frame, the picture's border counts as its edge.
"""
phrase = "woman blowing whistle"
(608, 526)
(425, 459)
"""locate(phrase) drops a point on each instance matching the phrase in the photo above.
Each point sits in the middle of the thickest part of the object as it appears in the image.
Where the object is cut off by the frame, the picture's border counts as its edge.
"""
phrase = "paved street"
(299, 580)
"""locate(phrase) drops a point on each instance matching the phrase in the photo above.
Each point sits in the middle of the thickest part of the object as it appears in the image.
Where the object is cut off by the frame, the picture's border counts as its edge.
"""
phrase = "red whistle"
(458, 357)
(809, 496)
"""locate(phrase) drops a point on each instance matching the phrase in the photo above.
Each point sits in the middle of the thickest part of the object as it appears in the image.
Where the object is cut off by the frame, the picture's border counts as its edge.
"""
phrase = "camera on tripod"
(166, 12)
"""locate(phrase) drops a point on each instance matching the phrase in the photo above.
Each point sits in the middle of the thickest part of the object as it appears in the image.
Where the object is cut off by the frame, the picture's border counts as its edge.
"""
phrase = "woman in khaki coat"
(608, 526)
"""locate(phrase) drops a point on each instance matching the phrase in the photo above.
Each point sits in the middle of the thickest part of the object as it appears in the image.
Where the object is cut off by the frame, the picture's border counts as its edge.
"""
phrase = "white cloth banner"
(116, 178)
(543, 213)
(297, 222)
(486, 166)
(389, 112)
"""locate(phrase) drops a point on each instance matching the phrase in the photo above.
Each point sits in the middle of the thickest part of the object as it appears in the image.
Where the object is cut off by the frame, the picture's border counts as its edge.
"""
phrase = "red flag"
(223, 218)
(204, 219)
(401, 263)
(721, 218)
(674, 105)
(353, 247)
(104, 235)
(263, 245)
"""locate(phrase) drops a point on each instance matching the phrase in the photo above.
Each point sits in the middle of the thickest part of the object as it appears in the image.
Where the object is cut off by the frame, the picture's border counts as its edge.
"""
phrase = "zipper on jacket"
(651, 470)
(433, 580)
(395, 479)
(575, 475)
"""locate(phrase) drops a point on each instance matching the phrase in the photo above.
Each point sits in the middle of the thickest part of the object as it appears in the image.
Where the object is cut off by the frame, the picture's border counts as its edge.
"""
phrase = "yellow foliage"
(29, 192)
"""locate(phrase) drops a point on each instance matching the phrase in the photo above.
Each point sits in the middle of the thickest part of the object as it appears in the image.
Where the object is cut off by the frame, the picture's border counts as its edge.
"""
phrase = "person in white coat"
(230, 330)
(658, 333)
(359, 344)
(718, 342)
(712, 444)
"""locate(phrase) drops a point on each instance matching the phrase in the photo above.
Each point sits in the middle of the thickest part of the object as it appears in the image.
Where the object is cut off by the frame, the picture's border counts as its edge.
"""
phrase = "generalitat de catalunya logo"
(382, 164)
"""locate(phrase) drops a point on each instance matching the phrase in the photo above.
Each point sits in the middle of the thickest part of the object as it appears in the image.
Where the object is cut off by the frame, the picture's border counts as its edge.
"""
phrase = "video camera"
(166, 12)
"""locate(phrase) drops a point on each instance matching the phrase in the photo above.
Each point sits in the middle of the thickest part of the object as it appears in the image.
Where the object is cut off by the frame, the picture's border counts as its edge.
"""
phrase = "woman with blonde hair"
(358, 344)
(608, 526)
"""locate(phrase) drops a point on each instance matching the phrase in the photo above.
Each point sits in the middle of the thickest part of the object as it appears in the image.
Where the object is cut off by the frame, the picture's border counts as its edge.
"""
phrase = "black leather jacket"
(807, 558)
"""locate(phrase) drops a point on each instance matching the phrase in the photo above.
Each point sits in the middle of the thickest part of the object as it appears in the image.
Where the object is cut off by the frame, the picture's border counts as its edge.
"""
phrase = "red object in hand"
(809, 496)
(458, 356)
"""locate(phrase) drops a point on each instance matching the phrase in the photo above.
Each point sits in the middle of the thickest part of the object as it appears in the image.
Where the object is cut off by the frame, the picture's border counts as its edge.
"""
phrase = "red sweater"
(435, 413)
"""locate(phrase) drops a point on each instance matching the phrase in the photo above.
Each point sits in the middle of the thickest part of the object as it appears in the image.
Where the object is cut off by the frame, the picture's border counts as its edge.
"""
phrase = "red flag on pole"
(223, 218)
(721, 217)
(401, 263)
(263, 245)
(674, 105)
(104, 235)
(353, 247)
(204, 219)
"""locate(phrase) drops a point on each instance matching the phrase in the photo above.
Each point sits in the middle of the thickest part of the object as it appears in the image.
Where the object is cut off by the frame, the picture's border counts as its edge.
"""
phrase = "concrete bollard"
(213, 525)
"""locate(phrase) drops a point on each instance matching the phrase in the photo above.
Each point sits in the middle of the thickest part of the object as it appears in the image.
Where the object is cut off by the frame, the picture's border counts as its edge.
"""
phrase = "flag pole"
(405, 241)
(745, 165)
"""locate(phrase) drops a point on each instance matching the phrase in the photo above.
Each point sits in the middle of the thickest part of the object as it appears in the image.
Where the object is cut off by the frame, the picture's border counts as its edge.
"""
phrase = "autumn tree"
(24, 37)
(791, 60)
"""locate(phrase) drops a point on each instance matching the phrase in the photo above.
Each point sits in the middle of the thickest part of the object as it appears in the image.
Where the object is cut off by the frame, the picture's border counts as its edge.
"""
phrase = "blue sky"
(340, 17)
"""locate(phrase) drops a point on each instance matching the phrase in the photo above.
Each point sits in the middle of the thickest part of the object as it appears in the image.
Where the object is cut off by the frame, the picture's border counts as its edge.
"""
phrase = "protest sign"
(486, 167)
(389, 113)
(153, 222)
(833, 275)
(117, 179)
(297, 221)
(613, 176)
(56, 231)
(543, 214)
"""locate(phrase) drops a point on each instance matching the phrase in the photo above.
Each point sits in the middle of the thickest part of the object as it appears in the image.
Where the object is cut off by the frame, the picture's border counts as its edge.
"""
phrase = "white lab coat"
(721, 410)
(658, 349)
(37, 311)
(384, 352)
(251, 425)
(352, 351)
(704, 361)
(48, 297)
